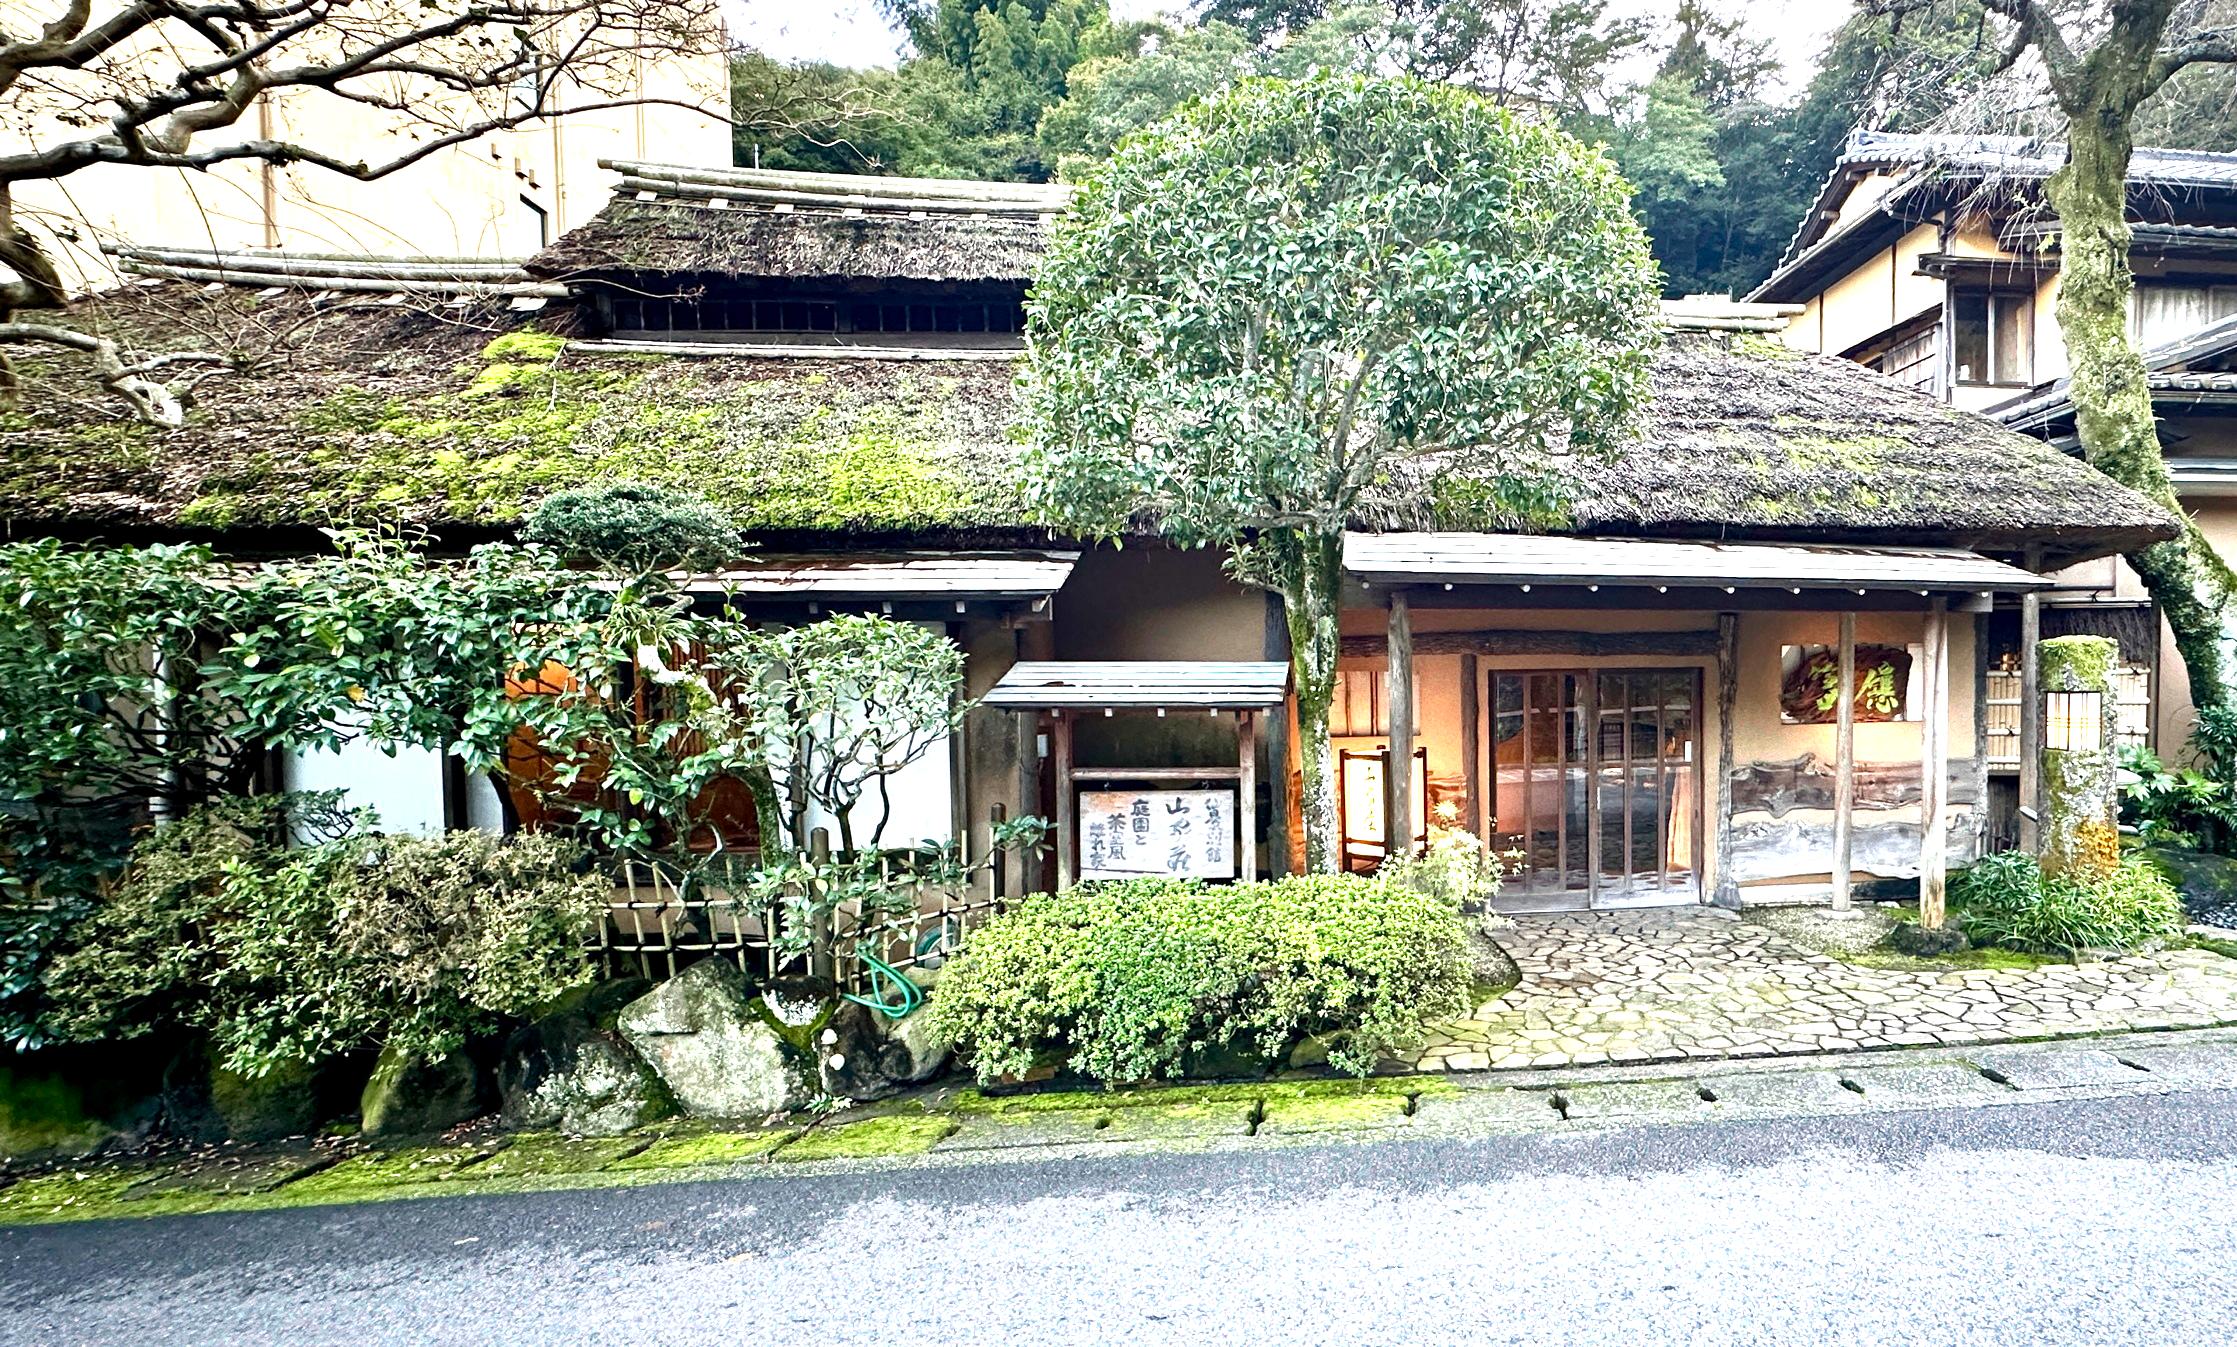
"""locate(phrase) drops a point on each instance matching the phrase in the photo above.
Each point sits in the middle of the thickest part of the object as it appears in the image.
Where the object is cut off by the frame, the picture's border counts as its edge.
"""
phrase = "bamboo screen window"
(900, 314)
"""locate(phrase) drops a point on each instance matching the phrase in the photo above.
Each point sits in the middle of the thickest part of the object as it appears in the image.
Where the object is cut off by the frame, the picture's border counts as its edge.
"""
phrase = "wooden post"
(1246, 807)
(1934, 768)
(1398, 770)
(1727, 893)
(1844, 764)
(2031, 716)
(1067, 802)
(1472, 748)
(822, 947)
(998, 858)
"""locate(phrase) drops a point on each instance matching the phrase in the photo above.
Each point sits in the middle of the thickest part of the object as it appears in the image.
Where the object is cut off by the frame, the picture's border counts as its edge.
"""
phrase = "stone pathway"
(1674, 984)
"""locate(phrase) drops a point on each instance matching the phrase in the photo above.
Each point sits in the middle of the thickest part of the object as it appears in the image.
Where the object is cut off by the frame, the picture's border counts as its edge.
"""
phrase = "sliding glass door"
(1596, 785)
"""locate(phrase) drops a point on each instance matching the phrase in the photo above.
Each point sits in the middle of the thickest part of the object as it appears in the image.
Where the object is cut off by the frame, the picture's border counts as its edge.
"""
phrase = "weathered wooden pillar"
(2031, 716)
(1727, 892)
(1398, 695)
(1246, 812)
(2081, 837)
(1934, 769)
(1067, 825)
(1844, 763)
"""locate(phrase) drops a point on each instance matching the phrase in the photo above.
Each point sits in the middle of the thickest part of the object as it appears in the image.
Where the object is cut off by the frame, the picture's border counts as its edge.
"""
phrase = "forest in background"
(1724, 162)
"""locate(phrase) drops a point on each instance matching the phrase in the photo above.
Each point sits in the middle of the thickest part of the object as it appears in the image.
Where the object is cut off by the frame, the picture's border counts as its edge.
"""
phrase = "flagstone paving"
(1673, 984)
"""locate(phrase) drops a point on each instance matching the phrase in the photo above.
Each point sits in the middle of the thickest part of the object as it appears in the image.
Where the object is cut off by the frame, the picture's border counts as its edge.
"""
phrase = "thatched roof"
(806, 226)
(466, 417)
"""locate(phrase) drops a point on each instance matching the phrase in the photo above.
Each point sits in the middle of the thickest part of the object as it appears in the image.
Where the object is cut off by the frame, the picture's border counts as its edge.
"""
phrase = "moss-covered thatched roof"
(825, 227)
(467, 417)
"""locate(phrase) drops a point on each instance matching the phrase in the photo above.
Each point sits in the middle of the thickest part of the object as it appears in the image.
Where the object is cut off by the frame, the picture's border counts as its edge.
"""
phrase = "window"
(739, 311)
(1911, 362)
(1992, 335)
(2160, 314)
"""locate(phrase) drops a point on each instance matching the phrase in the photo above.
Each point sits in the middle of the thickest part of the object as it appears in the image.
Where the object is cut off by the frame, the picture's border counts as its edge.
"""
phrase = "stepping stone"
(1018, 1131)
(1925, 1086)
(1783, 1092)
(2053, 1068)
(1645, 1099)
(2209, 1067)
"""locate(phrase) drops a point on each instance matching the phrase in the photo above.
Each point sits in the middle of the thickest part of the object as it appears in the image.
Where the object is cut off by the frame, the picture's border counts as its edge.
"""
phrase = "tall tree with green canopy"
(2103, 63)
(1302, 307)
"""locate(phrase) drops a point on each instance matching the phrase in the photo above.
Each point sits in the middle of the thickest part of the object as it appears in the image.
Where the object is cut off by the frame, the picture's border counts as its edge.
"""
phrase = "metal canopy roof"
(1093, 685)
(895, 576)
(1524, 559)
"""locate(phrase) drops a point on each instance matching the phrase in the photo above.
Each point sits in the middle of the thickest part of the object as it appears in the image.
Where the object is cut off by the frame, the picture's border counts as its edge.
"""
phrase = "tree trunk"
(2112, 400)
(1307, 571)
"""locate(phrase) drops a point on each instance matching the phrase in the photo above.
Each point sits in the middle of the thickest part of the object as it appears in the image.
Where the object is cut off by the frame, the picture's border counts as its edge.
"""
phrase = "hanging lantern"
(2074, 722)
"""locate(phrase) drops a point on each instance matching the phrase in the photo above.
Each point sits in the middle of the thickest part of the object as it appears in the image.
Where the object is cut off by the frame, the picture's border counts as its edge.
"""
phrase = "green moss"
(92, 1195)
(376, 1170)
(543, 1155)
(707, 1148)
(872, 1138)
(2213, 945)
(524, 346)
(1332, 1113)
(44, 1114)
(2077, 663)
(1760, 347)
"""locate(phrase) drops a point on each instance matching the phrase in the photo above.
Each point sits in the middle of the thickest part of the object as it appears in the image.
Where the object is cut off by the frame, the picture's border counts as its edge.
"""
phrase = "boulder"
(410, 1097)
(281, 1103)
(716, 1047)
(2207, 882)
(872, 1056)
(1919, 942)
(571, 1071)
(44, 1116)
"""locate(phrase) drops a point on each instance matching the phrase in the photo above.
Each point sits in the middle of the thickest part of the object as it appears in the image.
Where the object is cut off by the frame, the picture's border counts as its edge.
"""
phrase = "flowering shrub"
(1132, 980)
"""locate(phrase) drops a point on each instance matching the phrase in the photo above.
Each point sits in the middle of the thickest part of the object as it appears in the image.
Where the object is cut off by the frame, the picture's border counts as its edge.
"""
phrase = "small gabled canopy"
(1524, 562)
(894, 580)
(1121, 684)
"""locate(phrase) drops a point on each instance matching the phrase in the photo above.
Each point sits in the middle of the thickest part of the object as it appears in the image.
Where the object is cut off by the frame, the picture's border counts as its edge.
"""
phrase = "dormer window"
(1992, 337)
(786, 315)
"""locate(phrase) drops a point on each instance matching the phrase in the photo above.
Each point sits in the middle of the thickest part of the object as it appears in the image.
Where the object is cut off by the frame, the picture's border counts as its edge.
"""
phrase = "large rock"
(874, 1057)
(2207, 882)
(282, 1102)
(716, 1047)
(570, 1070)
(409, 1097)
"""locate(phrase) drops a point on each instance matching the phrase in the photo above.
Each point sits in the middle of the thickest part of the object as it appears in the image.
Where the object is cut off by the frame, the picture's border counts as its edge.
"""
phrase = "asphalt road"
(2105, 1222)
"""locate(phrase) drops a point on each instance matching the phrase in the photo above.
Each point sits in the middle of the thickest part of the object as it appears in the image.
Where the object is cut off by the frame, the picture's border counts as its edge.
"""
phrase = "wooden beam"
(1844, 763)
(1523, 641)
(1067, 798)
(1472, 746)
(1728, 693)
(1156, 774)
(2031, 718)
(1398, 770)
(1647, 598)
(1246, 807)
(1934, 772)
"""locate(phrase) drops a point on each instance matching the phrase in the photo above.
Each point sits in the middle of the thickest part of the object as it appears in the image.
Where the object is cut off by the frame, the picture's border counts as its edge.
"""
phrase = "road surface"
(2093, 1222)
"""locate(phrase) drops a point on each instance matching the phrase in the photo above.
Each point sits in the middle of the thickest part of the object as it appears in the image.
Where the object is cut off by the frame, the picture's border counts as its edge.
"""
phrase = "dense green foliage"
(1135, 981)
(1304, 306)
(635, 526)
(1724, 162)
(295, 953)
(2007, 900)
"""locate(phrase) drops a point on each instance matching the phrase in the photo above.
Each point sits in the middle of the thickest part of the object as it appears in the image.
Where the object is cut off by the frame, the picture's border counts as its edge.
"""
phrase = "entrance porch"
(1637, 723)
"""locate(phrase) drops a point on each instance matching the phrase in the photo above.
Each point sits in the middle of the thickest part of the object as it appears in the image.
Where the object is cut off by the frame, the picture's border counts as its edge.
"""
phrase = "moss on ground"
(2213, 945)
(377, 1170)
(707, 1148)
(873, 1138)
(1332, 1113)
(1271, 1091)
(545, 1155)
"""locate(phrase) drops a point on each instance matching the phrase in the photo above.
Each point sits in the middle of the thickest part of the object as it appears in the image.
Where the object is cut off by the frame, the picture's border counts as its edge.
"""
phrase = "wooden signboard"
(1184, 834)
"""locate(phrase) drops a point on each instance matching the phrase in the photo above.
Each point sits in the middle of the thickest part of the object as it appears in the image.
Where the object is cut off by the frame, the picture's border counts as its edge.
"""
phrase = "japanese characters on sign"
(1188, 834)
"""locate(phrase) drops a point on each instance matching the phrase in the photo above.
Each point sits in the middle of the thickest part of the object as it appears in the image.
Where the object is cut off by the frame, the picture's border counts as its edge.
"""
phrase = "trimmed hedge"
(1134, 980)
